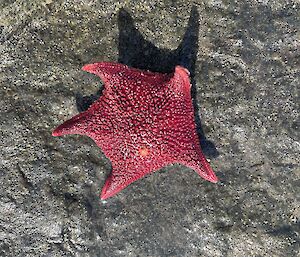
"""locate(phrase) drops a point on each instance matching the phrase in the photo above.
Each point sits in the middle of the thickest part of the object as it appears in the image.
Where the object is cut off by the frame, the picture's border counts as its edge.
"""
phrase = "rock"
(244, 60)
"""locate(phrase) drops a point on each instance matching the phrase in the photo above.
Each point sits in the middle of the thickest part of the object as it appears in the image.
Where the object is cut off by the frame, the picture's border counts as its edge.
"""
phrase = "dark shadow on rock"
(84, 102)
(287, 231)
(136, 52)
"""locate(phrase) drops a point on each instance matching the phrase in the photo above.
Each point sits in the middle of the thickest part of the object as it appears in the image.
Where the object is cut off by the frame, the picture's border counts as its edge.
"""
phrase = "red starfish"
(142, 122)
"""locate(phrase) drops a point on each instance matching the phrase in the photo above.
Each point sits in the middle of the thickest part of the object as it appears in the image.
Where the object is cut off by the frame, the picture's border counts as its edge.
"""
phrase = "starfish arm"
(113, 74)
(180, 82)
(72, 126)
(189, 154)
(104, 70)
(116, 182)
(201, 166)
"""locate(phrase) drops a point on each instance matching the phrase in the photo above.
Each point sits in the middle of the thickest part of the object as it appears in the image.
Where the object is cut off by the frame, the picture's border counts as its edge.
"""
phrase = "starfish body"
(142, 122)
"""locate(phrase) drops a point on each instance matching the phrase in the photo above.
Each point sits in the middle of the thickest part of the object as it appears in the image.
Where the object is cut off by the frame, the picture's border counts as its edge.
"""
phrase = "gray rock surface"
(246, 81)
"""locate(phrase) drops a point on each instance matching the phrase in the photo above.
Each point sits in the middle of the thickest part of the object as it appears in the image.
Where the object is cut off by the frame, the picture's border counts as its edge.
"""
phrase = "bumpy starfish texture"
(142, 122)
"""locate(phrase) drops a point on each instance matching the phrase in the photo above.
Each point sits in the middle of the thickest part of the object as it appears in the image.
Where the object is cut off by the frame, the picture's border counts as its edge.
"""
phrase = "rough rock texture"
(246, 77)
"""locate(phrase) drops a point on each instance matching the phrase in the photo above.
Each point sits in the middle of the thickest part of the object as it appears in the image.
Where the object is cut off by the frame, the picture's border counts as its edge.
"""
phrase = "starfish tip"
(88, 67)
(106, 194)
(212, 178)
(106, 190)
(181, 69)
(215, 180)
(56, 133)
(103, 196)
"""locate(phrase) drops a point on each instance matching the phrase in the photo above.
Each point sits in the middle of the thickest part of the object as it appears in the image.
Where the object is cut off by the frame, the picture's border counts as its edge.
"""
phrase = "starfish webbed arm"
(72, 126)
(114, 74)
(116, 181)
(199, 164)
(82, 124)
